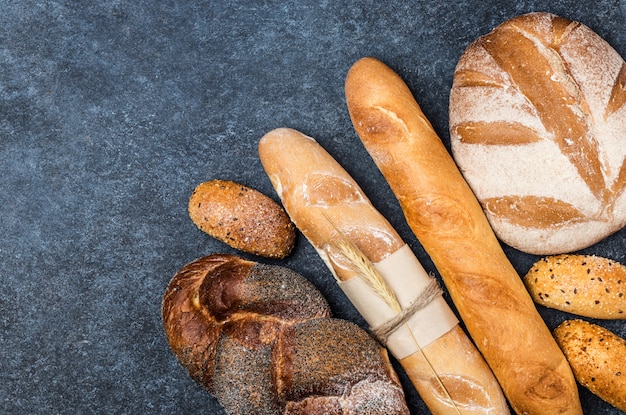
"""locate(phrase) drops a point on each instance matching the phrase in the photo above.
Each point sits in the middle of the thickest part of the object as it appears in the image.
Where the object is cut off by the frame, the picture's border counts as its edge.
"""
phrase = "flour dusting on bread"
(538, 112)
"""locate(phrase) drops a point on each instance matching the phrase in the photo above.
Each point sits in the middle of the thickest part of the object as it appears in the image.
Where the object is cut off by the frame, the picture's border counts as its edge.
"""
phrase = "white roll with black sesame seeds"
(597, 358)
(585, 285)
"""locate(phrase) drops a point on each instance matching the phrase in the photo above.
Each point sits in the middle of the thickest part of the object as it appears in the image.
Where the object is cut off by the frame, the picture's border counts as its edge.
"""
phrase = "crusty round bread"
(538, 129)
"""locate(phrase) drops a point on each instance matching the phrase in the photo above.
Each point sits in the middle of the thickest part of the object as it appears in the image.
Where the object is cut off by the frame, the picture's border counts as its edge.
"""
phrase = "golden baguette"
(449, 222)
(332, 211)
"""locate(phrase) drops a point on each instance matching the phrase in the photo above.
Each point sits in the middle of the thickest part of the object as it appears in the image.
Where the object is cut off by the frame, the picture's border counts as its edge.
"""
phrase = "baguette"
(447, 219)
(328, 206)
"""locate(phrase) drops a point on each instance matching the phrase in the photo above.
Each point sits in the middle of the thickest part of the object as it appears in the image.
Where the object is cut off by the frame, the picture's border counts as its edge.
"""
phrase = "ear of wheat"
(365, 270)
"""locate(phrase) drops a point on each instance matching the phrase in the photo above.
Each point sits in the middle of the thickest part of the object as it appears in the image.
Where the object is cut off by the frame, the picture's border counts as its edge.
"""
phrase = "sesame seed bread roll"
(597, 357)
(329, 207)
(449, 222)
(585, 285)
(538, 129)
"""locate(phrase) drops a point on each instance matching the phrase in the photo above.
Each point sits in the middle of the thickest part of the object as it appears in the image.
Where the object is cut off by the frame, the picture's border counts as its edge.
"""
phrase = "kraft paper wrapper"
(407, 279)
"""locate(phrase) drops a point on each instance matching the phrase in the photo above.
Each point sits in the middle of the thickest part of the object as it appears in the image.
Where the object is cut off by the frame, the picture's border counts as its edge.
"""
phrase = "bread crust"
(537, 127)
(325, 203)
(449, 222)
(261, 339)
(597, 356)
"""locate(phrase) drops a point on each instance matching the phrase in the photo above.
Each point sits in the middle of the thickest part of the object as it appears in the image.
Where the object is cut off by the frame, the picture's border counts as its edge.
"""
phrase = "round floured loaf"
(538, 129)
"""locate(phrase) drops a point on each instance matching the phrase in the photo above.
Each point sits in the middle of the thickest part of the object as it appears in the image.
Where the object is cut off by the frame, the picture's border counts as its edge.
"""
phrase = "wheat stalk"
(365, 270)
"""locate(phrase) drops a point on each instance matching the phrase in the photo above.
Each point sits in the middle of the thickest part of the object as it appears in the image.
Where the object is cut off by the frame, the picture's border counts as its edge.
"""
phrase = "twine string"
(429, 293)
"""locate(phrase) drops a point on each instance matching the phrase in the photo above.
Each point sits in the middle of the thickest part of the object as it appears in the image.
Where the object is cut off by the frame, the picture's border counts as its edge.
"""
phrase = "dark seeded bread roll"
(242, 218)
(597, 356)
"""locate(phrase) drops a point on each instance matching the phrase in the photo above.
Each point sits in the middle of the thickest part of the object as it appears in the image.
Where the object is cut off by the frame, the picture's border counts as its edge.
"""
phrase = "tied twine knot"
(427, 295)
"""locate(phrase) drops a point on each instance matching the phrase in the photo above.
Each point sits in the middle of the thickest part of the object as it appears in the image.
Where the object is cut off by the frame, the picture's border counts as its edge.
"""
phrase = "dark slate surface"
(111, 112)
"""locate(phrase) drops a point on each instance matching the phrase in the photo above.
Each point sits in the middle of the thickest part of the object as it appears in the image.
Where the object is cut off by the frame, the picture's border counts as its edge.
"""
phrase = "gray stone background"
(112, 111)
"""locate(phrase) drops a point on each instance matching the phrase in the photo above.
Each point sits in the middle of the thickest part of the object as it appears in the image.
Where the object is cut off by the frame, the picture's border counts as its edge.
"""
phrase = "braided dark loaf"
(260, 338)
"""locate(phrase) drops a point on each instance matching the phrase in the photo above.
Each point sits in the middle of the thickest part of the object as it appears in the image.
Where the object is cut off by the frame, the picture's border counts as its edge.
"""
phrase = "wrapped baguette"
(337, 218)
(447, 219)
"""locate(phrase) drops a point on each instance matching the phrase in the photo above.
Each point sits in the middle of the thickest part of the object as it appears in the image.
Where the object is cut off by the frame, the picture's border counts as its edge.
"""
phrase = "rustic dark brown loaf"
(538, 129)
(261, 339)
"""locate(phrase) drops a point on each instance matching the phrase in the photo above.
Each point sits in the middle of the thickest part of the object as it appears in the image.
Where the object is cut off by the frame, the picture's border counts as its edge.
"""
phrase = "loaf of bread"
(447, 219)
(585, 285)
(538, 129)
(597, 356)
(260, 338)
(333, 213)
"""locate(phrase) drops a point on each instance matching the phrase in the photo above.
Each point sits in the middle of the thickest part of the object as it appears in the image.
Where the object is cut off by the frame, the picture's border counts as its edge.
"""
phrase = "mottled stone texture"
(111, 112)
